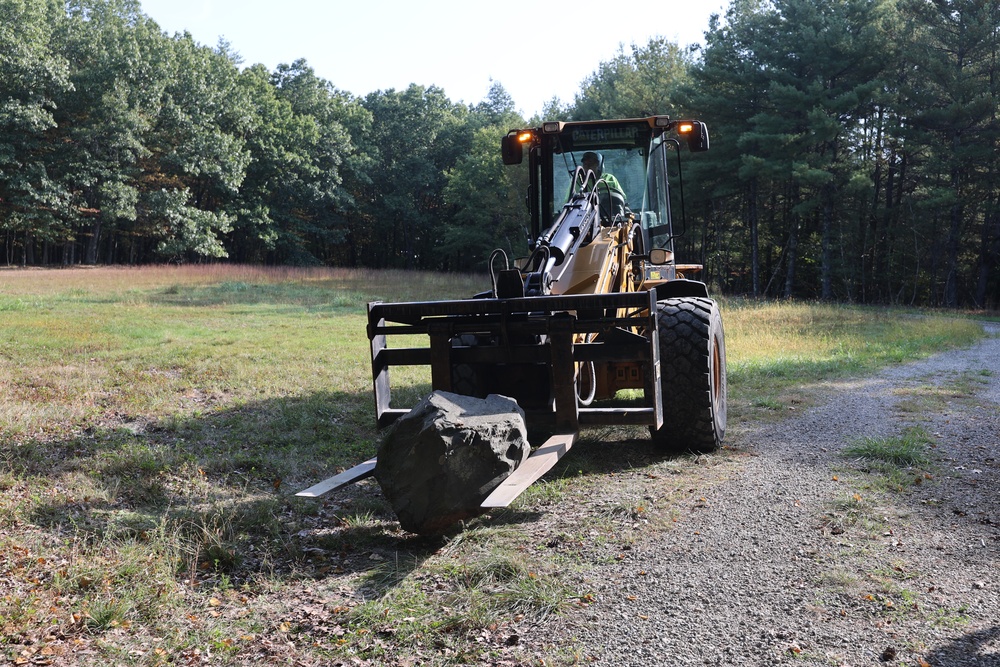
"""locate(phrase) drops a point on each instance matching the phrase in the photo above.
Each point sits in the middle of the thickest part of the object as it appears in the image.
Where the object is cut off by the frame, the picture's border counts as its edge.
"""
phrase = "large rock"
(439, 462)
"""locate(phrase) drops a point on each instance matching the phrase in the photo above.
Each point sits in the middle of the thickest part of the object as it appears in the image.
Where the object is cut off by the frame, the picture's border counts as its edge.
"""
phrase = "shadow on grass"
(217, 486)
(608, 450)
(217, 489)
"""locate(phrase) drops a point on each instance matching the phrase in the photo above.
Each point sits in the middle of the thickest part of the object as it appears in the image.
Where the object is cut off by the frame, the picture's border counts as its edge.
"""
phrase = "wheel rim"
(586, 383)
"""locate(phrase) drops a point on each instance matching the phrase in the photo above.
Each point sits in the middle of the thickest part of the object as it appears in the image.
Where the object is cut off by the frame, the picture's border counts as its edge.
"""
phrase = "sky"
(536, 50)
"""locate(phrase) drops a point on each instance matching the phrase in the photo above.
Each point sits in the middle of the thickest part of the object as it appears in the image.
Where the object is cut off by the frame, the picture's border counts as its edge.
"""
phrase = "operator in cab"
(594, 162)
(610, 194)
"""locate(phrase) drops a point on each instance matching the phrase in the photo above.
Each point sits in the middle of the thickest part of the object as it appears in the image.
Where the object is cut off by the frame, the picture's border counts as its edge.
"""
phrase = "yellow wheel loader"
(597, 324)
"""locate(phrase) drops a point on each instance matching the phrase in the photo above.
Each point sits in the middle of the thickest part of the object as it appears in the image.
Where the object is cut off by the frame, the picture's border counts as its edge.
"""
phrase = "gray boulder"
(439, 462)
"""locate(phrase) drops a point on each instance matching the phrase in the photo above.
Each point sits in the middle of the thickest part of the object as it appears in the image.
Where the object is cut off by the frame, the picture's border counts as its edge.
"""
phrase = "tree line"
(854, 150)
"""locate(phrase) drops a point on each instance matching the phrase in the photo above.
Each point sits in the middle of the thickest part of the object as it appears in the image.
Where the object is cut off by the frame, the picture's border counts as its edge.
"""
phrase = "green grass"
(776, 350)
(893, 463)
(908, 449)
(155, 422)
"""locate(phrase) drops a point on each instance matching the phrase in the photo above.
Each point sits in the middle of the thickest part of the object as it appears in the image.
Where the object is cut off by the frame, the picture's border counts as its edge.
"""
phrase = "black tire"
(692, 375)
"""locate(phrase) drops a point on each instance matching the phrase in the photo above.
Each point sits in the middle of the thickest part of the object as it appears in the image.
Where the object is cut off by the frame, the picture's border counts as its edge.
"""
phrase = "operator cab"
(633, 152)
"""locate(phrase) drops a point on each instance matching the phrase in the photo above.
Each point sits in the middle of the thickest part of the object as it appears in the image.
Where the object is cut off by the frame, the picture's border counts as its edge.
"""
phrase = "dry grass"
(122, 279)
(155, 422)
(776, 351)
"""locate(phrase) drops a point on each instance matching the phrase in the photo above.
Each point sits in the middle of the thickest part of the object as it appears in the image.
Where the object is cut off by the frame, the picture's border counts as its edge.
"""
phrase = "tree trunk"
(826, 264)
(881, 240)
(990, 258)
(754, 237)
(92, 242)
(954, 230)
(791, 257)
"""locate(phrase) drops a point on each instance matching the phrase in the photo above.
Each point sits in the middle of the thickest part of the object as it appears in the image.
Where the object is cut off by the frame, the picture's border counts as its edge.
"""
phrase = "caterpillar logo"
(583, 136)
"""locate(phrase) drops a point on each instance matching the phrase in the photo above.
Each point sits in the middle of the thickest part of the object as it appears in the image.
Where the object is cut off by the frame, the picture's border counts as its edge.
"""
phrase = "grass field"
(155, 422)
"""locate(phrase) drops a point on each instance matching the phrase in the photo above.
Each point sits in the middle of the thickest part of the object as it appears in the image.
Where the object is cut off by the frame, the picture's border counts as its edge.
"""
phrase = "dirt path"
(804, 557)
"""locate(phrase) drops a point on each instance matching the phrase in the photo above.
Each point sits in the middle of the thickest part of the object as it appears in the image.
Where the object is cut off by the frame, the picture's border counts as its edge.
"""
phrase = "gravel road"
(803, 556)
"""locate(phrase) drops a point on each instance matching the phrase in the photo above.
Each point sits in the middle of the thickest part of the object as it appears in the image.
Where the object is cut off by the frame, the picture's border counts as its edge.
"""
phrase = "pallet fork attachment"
(560, 332)
(339, 481)
(539, 463)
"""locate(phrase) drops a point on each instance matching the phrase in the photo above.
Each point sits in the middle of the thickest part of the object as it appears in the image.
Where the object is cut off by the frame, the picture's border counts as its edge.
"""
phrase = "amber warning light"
(696, 134)
(524, 137)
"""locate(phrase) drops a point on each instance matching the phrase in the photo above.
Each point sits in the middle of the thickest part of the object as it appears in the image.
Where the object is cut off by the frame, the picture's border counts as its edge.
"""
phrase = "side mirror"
(697, 138)
(511, 149)
(660, 256)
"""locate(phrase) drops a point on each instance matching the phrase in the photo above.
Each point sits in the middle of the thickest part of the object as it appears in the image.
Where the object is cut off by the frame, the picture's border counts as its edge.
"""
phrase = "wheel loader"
(596, 324)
